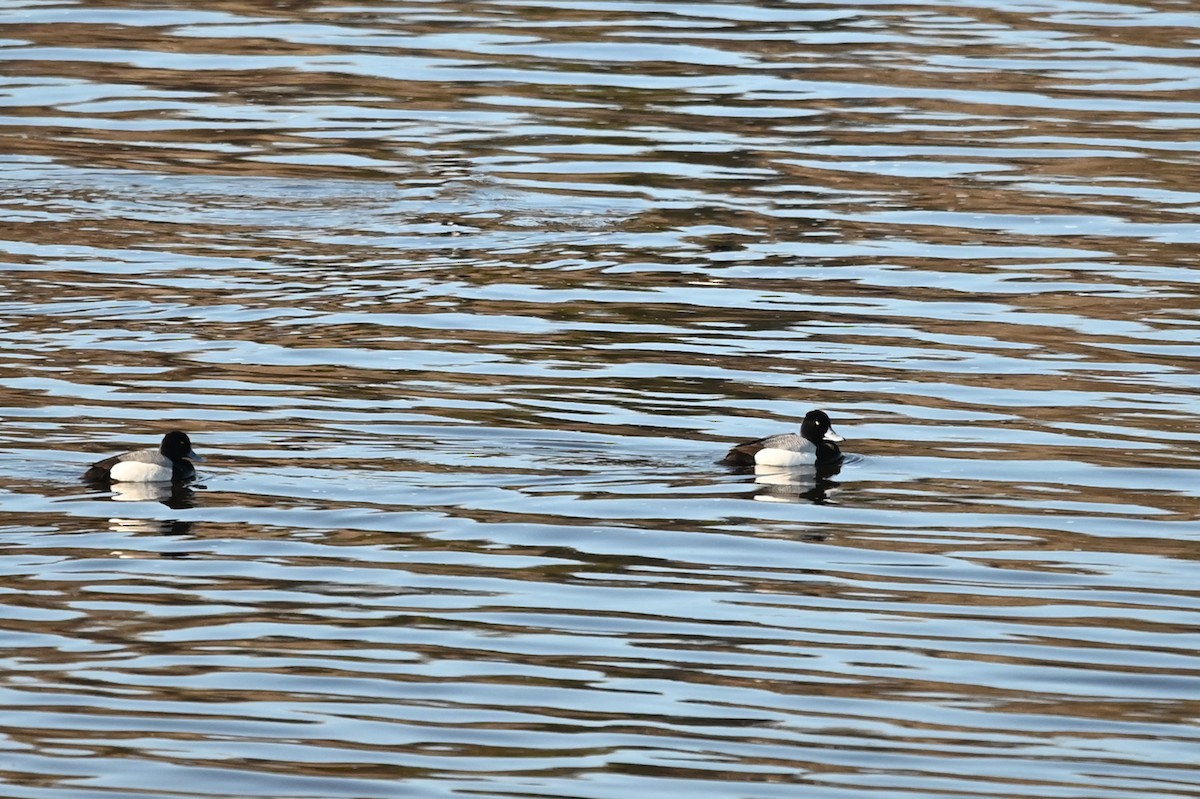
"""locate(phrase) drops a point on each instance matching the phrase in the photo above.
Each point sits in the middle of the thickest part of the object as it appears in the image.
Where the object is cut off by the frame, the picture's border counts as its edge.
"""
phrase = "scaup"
(816, 443)
(170, 462)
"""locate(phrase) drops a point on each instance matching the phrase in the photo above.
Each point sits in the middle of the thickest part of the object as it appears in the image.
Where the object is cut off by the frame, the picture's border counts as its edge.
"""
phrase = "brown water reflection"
(465, 300)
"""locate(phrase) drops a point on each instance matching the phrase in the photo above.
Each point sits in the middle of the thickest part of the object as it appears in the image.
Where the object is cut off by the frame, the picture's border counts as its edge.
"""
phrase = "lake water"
(463, 301)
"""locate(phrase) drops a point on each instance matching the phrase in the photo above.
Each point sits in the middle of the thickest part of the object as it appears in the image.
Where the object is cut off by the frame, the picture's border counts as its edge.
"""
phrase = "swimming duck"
(170, 462)
(816, 443)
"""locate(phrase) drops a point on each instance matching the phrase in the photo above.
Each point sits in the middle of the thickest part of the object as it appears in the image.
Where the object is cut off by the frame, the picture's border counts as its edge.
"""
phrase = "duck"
(816, 443)
(171, 462)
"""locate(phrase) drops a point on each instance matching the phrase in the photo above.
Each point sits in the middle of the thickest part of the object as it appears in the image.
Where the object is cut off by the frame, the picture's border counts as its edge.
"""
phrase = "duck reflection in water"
(152, 527)
(782, 484)
(174, 495)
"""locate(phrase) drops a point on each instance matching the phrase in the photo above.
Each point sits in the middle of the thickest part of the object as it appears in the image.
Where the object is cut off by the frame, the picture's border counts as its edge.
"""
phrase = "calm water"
(462, 301)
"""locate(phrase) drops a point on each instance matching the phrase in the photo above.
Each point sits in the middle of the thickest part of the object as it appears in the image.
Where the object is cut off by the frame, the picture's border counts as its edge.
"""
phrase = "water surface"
(463, 301)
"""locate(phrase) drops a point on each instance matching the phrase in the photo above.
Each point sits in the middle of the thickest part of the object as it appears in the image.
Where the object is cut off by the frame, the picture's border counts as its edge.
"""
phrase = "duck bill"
(192, 456)
(832, 436)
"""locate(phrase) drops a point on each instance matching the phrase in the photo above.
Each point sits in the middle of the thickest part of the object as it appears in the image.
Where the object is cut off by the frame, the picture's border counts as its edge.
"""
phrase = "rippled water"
(463, 301)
